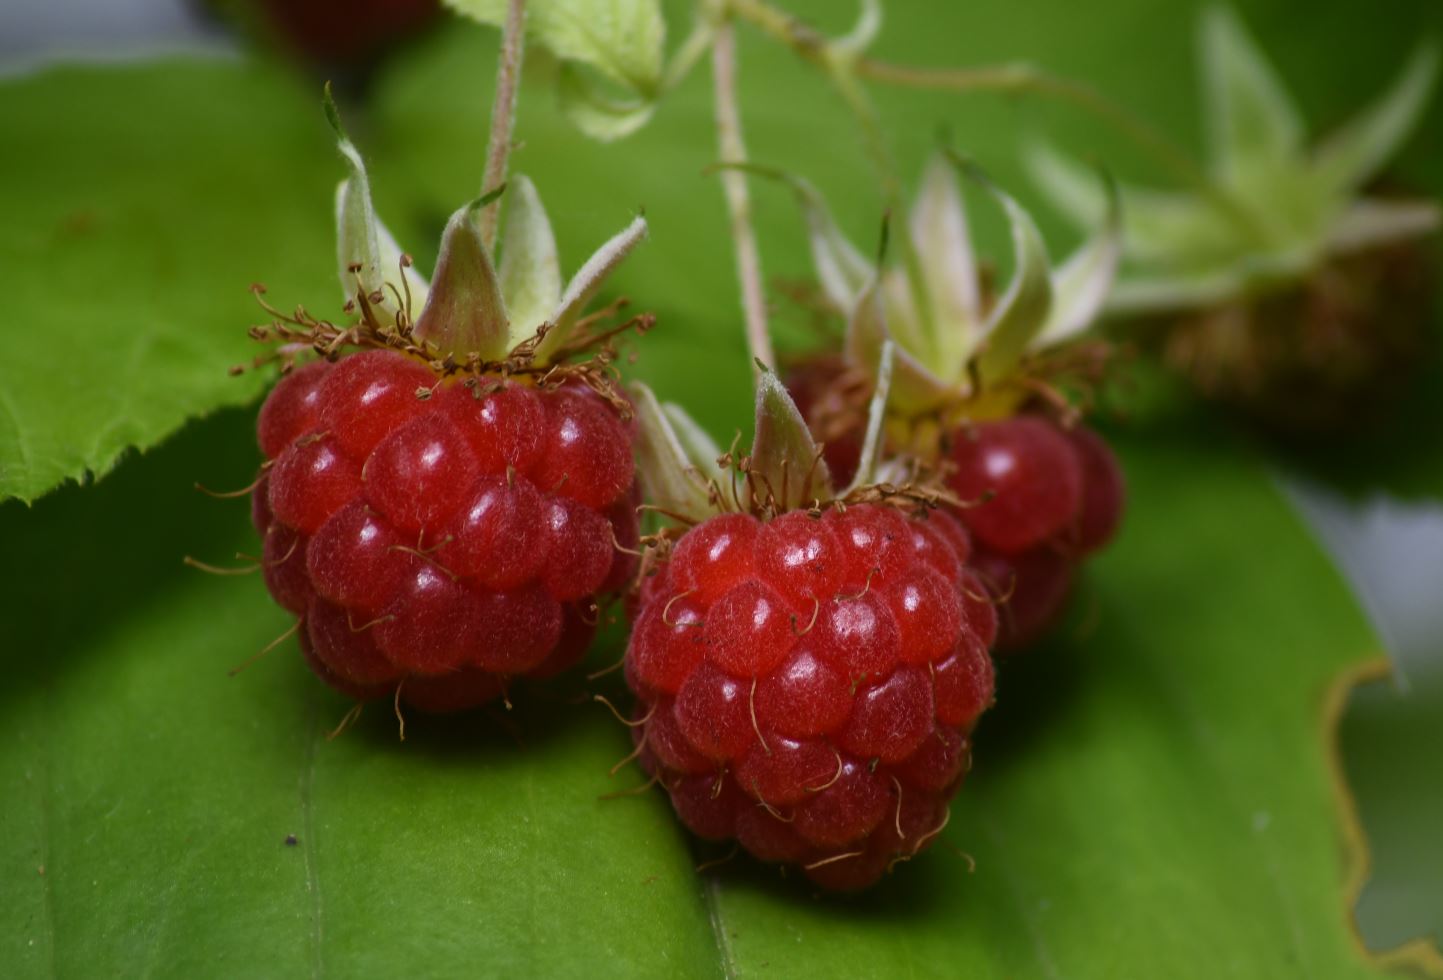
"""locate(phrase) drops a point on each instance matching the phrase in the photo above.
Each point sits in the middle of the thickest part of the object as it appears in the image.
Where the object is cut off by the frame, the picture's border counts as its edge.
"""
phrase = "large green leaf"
(138, 206)
(1151, 796)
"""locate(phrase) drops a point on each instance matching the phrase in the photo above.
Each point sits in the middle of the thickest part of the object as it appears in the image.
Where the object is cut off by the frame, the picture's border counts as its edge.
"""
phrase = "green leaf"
(1352, 156)
(1254, 130)
(622, 39)
(600, 114)
(1393, 800)
(530, 269)
(464, 312)
(128, 242)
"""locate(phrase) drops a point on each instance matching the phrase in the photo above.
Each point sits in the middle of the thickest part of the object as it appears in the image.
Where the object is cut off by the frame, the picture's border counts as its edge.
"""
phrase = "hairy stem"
(734, 183)
(503, 117)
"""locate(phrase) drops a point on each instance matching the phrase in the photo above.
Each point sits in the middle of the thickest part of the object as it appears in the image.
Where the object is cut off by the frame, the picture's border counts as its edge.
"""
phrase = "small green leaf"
(128, 240)
(1253, 127)
(785, 459)
(588, 280)
(622, 39)
(600, 114)
(465, 313)
(670, 479)
(1352, 156)
(530, 270)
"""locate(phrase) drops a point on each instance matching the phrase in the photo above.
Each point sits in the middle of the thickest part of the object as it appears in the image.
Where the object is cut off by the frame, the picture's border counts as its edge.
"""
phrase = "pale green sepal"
(1081, 284)
(361, 239)
(1023, 310)
(1353, 155)
(1373, 221)
(949, 318)
(842, 270)
(1158, 226)
(464, 313)
(876, 420)
(622, 39)
(530, 269)
(600, 114)
(914, 387)
(785, 461)
(584, 285)
(1142, 296)
(1253, 127)
(700, 447)
(669, 478)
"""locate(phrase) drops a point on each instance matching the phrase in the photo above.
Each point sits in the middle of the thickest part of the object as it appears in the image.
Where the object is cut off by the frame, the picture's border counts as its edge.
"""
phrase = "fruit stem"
(503, 117)
(734, 183)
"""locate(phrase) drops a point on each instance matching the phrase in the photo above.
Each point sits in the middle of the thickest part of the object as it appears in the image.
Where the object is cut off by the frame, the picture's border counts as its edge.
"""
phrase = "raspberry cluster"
(807, 685)
(440, 536)
(1042, 498)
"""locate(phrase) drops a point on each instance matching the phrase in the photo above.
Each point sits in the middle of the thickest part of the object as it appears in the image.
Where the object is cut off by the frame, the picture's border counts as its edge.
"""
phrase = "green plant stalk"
(503, 117)
(734, 184)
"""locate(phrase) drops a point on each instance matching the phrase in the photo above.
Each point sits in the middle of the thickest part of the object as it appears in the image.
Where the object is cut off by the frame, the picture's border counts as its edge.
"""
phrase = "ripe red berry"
(1021, 481)
(439, 535)
(807, 684)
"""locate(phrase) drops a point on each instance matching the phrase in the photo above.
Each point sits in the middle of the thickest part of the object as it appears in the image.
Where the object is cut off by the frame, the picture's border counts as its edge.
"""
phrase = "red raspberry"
(808, 684)
(440, 537)
(1040, 498)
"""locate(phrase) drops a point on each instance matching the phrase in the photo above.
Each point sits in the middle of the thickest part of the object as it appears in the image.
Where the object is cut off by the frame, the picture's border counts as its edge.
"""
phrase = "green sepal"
(671, 478)
(530, 272)
(363, 243)
(464, 312)
(1352, 156)
(786, 462)
(588, 280)
(875, 433)
(1023, 309)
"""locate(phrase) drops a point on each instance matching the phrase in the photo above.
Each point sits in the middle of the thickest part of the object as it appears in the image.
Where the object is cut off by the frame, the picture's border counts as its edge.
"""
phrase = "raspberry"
(439, 536)
(1040, 498)
(1022, 479)
(808, 684)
